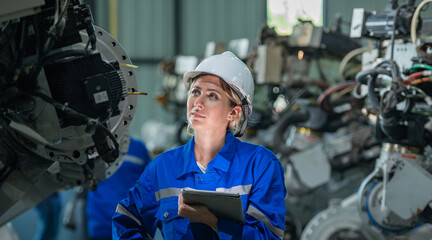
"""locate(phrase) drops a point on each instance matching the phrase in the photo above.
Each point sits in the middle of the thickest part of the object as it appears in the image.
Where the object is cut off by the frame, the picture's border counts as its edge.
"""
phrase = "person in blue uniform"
(49, 217)
(220, 93)
(101, 204)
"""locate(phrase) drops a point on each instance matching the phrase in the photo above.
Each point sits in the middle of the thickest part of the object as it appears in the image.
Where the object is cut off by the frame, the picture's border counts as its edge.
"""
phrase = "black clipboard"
(222, 204)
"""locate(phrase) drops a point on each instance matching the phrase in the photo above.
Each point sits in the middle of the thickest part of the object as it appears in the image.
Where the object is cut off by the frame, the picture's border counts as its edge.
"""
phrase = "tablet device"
(222, 204)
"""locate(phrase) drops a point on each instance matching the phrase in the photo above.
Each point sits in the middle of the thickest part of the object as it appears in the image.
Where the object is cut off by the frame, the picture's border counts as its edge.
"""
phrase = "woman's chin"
(196, 122)
(196, 126)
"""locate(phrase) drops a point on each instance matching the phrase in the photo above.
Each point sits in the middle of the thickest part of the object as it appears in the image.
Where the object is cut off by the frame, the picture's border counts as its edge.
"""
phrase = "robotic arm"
(67, 97)
(391, 198)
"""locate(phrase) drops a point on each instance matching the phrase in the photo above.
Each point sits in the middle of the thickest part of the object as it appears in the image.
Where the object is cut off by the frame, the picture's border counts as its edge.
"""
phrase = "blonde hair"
(235, 124)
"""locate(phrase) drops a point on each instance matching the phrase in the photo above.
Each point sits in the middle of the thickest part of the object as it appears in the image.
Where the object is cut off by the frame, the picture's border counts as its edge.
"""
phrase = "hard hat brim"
(187, 78)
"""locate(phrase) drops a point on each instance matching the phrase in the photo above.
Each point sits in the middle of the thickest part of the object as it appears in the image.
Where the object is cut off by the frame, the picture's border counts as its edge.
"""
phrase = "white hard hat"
(234, 72)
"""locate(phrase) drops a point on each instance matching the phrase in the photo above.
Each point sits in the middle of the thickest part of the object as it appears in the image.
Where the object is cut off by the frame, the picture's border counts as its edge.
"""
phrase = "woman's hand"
(197, 213)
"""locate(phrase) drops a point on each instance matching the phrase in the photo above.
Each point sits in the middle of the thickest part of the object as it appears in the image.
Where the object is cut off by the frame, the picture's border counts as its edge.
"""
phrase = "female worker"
(218, 107)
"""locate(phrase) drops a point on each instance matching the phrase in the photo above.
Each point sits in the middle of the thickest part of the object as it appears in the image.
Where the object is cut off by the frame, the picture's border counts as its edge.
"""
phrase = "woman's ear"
(234, 113)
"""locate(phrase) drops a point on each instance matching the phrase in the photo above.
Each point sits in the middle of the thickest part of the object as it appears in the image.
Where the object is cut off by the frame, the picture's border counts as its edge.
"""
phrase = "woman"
(218, 107)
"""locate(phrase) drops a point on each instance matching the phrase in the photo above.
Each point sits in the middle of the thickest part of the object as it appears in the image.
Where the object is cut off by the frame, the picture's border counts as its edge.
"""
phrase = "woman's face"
(208, 105)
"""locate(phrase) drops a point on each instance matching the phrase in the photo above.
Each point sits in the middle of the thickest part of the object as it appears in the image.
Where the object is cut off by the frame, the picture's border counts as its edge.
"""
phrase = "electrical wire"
(55, 30)
(363, 76)
(128, 65)
(395, 72)
(422, 80)
(417, 75)
(135, 93)
(349, 56)
(85, 119)
(56, 14)
(324, 97)
(394, 30)
(357, 92)
(62, 13)
(414, 22)
(424, 66)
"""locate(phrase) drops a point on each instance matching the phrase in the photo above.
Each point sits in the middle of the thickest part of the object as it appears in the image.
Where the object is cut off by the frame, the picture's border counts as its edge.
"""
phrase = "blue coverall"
(250, 170)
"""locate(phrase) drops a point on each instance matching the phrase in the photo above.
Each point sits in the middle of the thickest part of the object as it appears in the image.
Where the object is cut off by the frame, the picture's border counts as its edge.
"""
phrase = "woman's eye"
(195, 92)
(213, 96)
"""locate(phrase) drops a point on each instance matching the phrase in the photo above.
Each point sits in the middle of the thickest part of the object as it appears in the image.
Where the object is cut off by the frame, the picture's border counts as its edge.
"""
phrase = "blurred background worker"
(49, 217)
(101, 203)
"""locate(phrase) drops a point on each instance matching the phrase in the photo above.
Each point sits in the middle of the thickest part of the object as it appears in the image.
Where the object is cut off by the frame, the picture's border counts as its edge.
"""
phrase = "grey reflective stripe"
(241, 189)
(167, 192)
(257, 214)
(133, 159)
(122, 210)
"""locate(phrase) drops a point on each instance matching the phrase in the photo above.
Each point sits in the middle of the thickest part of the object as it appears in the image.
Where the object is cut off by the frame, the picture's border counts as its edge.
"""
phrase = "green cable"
(424, 66)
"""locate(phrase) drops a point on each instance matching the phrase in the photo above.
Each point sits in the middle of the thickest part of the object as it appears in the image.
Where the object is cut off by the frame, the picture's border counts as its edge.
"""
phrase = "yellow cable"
(135, 93)
(128, 65)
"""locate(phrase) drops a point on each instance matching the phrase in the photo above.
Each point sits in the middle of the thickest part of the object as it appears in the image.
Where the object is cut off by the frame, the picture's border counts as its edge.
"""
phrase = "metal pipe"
(113, 18)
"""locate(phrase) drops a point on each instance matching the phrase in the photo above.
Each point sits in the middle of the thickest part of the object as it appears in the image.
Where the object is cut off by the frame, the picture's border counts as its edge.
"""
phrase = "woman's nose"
(199, 101)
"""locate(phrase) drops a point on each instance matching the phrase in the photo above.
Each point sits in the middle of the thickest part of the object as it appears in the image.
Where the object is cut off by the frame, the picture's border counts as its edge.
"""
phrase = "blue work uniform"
(101, 204)
(250, 170)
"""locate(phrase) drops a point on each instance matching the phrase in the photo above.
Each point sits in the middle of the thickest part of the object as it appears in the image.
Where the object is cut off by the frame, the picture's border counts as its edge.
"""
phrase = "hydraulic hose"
(369, 77)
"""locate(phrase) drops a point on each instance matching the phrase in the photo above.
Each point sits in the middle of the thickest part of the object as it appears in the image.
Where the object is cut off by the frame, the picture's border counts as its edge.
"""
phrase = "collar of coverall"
(222, 161)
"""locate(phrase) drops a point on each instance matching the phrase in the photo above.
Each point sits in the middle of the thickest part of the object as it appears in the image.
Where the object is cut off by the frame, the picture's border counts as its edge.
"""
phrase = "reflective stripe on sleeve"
(167, 192)
(133, 159)
(241, 189)
(122, 210)
(257, 214)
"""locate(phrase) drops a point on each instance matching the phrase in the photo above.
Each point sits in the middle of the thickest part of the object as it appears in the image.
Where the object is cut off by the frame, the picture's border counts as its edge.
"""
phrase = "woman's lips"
(197, 115)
